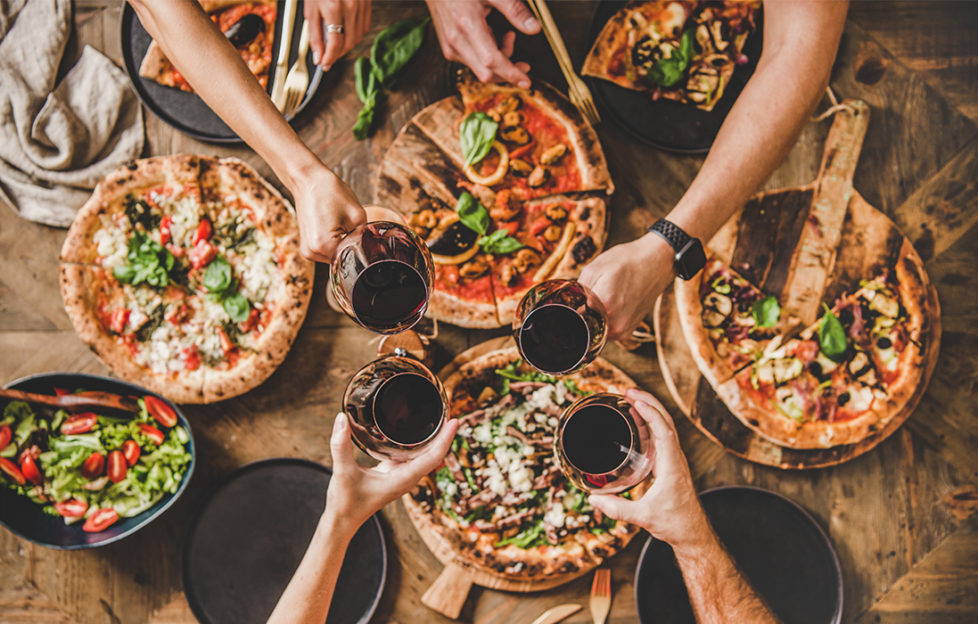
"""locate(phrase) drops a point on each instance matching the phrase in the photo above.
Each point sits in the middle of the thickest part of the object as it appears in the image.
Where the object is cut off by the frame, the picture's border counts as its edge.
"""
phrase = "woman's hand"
(352, 15)
(355, 493)
(627, 278)
(327, 209)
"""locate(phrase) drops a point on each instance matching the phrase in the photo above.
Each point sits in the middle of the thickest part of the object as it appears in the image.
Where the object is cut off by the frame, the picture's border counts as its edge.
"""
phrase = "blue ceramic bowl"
(24, 517)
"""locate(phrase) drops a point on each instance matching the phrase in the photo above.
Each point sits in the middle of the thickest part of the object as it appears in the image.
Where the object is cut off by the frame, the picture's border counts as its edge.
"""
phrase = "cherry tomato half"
(71, 508)
(203, 231)
(100, 520)
(79, 423)
(12, 471)
(60, 391)
(159, 409)
(131, 452)
(117, 322)
(152, 433)
(5, 435)
(92, 467)
(117, 466)
(28, 466)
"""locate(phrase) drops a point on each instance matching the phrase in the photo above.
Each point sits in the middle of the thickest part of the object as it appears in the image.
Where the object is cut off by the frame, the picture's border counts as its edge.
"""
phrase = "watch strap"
(673, 234)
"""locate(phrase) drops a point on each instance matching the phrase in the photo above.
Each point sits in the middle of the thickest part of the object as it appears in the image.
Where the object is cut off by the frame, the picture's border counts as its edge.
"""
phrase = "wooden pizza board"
(448, 593)
(761, 241)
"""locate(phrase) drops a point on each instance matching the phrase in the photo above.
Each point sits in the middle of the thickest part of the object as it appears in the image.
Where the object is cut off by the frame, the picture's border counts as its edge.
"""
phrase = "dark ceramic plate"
(25, 518)
(185, 111)
(665, 124)
(251, 534)
(779, 546)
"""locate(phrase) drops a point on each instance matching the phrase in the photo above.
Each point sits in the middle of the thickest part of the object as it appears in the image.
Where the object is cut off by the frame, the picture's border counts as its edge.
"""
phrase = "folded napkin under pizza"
(58, 138)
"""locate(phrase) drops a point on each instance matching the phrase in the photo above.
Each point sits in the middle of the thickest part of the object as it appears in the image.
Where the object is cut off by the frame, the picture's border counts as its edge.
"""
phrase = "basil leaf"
(237, 307)
(472, 213)
(832, 337)
(395, 46)
(499, 243)
(476, 135)
(365, 119)
(666, 72)
(217, 277)
(365, 80)
(149, 262)
(766, 311)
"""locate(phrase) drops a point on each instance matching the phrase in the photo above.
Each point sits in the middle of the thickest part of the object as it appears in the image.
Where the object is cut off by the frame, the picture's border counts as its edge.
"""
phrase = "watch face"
(690, 259)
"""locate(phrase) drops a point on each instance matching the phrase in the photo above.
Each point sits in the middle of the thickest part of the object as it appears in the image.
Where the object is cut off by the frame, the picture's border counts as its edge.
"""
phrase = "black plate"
(668, 125)
(185, 111)
(251, 534)
(780, 547)
(24, 518)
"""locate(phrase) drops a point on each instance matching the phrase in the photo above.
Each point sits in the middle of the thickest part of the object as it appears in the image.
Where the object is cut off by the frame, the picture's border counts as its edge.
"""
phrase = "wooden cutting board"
(807, 245)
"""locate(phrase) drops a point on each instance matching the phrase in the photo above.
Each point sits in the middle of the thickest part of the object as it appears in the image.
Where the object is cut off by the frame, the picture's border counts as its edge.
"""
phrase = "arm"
(325, 206)
(355, 493)
(670, 510)
(800, 42)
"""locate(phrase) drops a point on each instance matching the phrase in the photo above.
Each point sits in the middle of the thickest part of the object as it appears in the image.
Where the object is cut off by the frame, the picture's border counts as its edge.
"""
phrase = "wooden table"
(902, 516)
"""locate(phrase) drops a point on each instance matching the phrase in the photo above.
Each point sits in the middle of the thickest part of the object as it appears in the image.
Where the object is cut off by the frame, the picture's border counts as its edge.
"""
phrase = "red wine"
(388, 295)
(596, 439)
(554, 338)
(407, 408)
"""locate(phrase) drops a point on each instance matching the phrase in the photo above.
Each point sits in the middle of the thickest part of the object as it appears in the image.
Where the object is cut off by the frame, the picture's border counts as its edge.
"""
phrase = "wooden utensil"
(284, 47)
(558, 613)
(600, 595)
(75, 401)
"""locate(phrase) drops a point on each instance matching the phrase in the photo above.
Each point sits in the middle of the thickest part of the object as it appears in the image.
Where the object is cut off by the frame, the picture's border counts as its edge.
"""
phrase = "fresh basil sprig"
(499, 243)
(219, 282)
(832, 337)
(367, 90)
(472, 213)
(148, 262)
(476, 135)
(766, 311)
(666, 72)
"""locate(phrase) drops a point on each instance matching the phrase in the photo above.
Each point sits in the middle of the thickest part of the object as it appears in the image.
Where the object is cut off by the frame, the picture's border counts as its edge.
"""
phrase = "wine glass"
(395, 406)
(603, 445)
(560, 326)
(381, 276)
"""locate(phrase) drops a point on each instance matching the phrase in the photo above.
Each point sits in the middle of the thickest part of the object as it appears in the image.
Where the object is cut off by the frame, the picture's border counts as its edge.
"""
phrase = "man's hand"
(355, 493)
(670, 509)
(627, 278)
(352, 15)
(327, 209)
(466, 37)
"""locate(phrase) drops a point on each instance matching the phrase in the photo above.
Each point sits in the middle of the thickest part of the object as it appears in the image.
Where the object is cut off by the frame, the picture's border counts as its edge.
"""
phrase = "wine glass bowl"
(603, 445)
(395, 406)
(381, 276)
(560, 326)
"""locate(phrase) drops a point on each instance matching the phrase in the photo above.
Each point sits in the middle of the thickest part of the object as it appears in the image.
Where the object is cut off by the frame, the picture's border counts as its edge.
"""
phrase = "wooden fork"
(297, 79)
(600, 595)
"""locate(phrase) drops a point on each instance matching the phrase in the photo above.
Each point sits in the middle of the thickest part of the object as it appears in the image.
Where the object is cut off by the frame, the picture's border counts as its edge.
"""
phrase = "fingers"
(335, 41)
(617, 508)
(668, 454)
(315, 22)
(518, 15)
(410, 472)
(319, 247)
(339, 445)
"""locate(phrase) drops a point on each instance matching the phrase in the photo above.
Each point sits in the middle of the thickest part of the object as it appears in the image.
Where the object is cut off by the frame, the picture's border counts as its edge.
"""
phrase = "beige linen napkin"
(57, 140)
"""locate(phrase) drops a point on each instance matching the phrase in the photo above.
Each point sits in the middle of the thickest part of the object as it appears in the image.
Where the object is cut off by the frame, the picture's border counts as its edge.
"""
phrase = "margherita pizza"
(508, 187)
(500, 501)
(248, 24)
(183, 274)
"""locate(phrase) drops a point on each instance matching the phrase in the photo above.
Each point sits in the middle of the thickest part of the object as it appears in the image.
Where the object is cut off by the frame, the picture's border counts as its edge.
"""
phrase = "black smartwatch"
(689, 251)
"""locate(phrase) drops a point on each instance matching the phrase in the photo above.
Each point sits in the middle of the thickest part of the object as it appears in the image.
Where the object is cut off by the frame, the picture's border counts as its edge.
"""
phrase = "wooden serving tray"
(762, 242)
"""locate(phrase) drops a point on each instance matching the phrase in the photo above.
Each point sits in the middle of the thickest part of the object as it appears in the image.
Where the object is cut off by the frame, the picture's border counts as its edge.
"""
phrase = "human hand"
(355, 493)
(466, 37)
(670, 509)
(353, 15)
(326, 208)
(627, 278)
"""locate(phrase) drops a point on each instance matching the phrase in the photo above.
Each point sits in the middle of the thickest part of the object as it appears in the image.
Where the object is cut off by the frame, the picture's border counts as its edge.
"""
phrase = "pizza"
(685, 51)
(249, 26)
(836, 382)
(183, 274)
(500, 501)
(532, 206)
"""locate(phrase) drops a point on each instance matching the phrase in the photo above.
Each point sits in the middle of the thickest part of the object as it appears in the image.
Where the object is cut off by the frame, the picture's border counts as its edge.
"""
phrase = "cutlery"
(70, 401)
(600, 595)
(284, 46)
(557, 613)
(298, 79)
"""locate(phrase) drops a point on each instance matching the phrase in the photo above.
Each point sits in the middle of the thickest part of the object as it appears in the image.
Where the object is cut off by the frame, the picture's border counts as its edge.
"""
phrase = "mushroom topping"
(525, 259)
(494, 115)
(553, 154)
(520, 167)
(508, 275)
(884, 305)
(473, 269)
(786, 369)
(511, 103)
(537, 177)
(453, 245)
(555, 212)
(859, 365)
(703, 37)
(425, 219)
(553, 233)
(487, 395)
(512, 118)
(515, 134)
(703, 81)
(716, 309)
(716, 29)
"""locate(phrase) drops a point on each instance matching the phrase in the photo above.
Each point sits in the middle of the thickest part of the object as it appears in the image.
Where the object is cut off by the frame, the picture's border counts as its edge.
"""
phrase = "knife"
(557, 613)
(284, 47)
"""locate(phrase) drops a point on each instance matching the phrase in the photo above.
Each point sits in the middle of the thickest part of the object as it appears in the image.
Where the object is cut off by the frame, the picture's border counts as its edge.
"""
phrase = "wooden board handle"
(448, 593)
(843, 146)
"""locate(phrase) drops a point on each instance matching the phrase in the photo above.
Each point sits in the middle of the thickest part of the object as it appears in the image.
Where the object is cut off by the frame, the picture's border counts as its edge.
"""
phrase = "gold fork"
(297, 80)
(600, 595)
(578, 92)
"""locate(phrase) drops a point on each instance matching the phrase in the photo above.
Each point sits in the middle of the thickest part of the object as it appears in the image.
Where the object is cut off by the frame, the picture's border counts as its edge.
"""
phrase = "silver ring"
(334, 28)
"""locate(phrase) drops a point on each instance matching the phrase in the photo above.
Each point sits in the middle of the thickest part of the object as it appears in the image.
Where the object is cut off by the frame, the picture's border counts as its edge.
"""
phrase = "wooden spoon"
(79, 400)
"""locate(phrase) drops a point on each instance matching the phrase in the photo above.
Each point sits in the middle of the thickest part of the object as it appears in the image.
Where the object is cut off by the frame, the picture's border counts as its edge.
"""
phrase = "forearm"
(195, 46)
(308, 595)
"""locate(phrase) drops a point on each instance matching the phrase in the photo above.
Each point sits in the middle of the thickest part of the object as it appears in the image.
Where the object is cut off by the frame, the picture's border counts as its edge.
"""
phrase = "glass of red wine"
(395, 406)
(603, 445)
(560, 326)
(381, 276)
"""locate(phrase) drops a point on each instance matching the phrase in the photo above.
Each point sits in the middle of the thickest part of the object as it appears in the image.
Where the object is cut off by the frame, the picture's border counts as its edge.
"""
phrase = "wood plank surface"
(907, 545)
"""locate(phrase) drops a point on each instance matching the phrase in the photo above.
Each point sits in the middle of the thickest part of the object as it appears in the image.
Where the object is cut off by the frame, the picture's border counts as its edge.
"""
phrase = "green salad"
(92, 467)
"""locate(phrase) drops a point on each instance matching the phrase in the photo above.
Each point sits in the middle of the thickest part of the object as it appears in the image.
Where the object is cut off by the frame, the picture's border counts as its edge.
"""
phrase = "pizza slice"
(248, 24)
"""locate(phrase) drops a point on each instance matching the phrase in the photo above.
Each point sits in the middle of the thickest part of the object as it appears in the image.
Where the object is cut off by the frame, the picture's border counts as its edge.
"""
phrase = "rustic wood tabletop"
(901, 516)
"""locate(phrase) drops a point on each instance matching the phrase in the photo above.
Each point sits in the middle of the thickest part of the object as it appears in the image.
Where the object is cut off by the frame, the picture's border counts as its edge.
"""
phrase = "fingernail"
(315, 57)
(530, 23)
(340, 421)
(326, 67)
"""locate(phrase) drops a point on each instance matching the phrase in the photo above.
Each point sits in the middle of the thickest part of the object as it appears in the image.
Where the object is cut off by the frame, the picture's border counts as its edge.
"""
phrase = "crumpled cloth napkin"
(57, 140)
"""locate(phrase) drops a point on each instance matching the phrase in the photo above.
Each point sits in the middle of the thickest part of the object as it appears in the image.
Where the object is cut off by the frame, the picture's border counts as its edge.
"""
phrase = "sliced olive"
(843, 399)
(243, 31)
(859, 365)
(884, 343)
